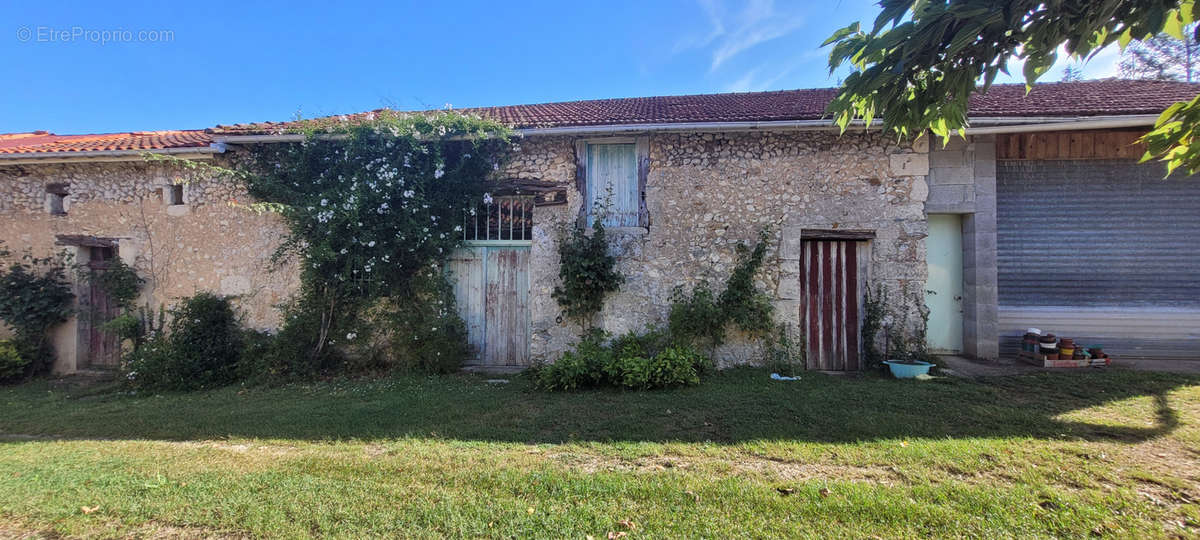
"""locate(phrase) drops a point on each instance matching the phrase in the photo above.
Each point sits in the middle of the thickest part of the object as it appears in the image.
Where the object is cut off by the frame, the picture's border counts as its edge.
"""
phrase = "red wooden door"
(830, 310)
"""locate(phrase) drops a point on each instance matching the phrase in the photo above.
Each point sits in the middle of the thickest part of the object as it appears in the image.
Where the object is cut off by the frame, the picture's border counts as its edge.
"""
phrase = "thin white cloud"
(712, 12)
(734, 30)
(766, 76)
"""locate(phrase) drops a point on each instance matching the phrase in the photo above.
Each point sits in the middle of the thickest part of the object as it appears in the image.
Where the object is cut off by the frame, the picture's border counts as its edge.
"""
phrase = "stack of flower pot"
(1066, 349)
(1049, 350)
(1048, 346)
(1029, 342)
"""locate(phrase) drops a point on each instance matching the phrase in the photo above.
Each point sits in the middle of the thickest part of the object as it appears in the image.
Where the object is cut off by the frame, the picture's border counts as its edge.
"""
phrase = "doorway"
(491, 281)
(944, 285)
(103, 346)
(831, 307)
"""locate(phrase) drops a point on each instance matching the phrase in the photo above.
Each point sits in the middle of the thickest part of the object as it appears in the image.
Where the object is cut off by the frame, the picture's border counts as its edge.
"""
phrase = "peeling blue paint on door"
(491, 288)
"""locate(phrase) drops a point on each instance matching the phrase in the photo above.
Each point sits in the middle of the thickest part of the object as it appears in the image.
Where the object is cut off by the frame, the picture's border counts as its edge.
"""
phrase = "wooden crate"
(1041, 361)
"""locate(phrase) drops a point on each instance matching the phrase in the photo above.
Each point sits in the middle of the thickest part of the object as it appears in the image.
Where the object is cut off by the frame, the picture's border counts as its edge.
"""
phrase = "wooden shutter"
(614, 167)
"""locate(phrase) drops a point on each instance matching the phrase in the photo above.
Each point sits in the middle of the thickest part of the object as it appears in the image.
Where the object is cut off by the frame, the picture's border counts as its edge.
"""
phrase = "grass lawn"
(1113, 453)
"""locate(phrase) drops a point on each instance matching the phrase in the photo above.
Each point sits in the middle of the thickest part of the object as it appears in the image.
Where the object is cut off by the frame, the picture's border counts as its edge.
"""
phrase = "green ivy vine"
(120, 281)
(703, 316)
(587, 271)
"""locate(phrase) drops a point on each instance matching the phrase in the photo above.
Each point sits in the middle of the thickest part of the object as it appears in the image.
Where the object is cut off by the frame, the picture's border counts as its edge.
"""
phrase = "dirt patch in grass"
(765, 468)
(1166, 471)
(145, 531)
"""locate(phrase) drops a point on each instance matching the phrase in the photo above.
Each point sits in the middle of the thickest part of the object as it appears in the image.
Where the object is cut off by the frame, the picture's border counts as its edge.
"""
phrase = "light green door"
(943, 290)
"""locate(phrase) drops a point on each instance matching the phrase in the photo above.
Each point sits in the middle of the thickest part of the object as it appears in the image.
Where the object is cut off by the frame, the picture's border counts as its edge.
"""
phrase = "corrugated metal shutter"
(1084, 245)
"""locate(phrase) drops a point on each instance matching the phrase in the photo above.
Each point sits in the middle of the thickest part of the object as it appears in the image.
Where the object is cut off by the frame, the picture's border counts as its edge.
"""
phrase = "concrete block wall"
(962, 180)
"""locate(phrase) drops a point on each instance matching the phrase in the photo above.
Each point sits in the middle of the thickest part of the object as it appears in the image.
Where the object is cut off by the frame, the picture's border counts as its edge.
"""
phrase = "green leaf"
(1035, 66)
(841, 33)
(1125, 37)
(1173, 26)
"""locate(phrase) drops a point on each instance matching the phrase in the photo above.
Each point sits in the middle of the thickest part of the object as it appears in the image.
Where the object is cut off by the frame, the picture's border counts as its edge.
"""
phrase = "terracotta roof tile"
(43, 142)
(1088, 98)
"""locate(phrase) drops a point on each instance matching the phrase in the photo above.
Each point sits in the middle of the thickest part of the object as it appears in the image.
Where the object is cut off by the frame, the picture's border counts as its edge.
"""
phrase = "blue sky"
(94, 67)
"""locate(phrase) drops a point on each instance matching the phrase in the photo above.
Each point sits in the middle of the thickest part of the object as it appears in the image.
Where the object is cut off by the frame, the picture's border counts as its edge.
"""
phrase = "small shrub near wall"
(659, 358)
(12, 364)
(633, 361)
(202, 348)
(701, 317)
(427, 334)
(34, 297)
(587, 271)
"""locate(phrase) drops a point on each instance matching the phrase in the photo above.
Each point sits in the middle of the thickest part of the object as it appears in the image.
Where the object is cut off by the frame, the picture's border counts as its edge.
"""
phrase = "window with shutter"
(612, 176)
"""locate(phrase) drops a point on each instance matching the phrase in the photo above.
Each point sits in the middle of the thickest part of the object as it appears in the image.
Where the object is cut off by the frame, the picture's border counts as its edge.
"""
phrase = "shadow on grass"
(734, 406)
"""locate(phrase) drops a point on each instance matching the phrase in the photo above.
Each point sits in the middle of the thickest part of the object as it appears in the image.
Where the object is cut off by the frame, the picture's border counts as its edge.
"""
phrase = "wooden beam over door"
(837, 234)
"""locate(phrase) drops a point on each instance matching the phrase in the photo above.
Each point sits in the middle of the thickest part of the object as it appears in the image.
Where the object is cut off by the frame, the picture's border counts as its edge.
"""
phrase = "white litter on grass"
(496, 381)
(779, 377)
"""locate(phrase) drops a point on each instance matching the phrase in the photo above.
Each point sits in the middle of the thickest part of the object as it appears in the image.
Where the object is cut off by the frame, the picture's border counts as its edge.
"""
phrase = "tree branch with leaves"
(916, 67)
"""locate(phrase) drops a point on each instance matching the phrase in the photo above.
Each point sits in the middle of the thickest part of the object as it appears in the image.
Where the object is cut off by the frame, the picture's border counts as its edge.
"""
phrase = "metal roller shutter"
(1105, 251)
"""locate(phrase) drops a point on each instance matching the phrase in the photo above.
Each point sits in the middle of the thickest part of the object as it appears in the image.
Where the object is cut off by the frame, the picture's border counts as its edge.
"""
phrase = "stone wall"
(706, 193)
(206, 244)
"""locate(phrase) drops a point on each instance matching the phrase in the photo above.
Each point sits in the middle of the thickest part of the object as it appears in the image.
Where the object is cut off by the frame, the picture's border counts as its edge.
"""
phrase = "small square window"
(175, 194)
(56, 199)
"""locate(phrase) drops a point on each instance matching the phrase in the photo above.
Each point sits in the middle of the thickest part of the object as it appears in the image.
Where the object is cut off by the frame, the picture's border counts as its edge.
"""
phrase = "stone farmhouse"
(1042, 216)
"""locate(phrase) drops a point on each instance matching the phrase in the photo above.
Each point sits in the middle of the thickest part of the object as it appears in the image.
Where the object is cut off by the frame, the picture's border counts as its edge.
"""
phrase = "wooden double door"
(491, 288)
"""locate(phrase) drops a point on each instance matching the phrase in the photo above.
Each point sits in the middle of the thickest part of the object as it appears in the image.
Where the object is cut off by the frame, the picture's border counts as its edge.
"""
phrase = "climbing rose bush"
(372, 203)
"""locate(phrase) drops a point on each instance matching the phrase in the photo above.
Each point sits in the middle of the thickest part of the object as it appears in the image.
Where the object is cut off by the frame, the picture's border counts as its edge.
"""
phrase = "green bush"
(12, 362)
(292, 354)
(124, 326)
(675, 366)
(634, 361)
(582, 367)
(427, 335)
(703, 316)
(696, 317)
(258, 354)
(202, 348)
(206, 339)
(568, 373)
(34, 297)
(150, 366)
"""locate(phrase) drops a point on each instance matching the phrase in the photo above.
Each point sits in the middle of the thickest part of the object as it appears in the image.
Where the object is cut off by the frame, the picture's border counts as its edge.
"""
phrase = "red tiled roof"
(1088, 98)
(43, 142)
